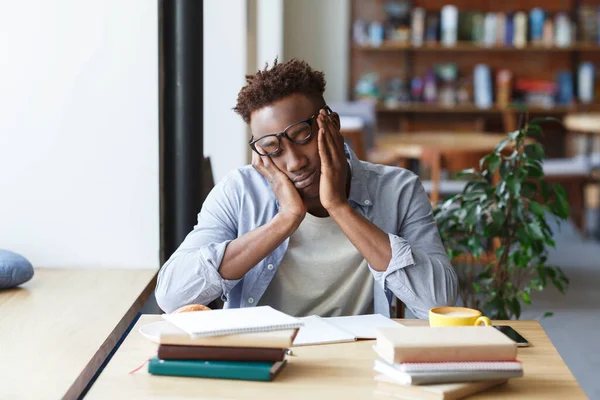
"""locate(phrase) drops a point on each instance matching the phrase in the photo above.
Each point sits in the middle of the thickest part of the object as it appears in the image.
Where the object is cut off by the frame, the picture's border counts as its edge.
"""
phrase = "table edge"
(93, 367)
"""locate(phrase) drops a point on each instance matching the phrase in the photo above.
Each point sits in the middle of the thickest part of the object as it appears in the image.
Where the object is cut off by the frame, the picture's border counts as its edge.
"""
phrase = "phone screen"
(514, 335)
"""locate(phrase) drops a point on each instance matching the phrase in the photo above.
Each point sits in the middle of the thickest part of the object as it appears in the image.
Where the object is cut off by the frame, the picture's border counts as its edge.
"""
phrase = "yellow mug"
(456, 316)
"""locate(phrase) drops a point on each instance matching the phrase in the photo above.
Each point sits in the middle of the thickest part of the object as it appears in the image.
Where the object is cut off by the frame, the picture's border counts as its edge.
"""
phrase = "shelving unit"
(471, 108)
(468, 46)
(394, 59)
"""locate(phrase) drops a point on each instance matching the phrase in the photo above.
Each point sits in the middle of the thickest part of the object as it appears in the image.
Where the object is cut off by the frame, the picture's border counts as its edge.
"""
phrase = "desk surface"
(332, 371)
(57, 329)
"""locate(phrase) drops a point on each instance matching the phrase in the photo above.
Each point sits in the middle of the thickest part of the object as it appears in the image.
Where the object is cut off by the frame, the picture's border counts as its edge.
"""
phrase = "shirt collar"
(358, 185)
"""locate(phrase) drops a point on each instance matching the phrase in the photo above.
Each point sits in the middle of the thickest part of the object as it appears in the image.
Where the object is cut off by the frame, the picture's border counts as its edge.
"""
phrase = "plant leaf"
(515, 307)
(538, 120)
(500, 146)
(518, 106)
(513, 185)
(537, 208)
(560, 206)
(534, 230)
(533, 129)
(535, 151)
(548, 315)
(465, 172)
(534, 170)
(495, 161)
(514, 135)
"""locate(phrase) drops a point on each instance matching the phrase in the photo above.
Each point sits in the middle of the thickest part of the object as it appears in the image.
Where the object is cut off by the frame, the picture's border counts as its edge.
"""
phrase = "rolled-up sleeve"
(190, 275)
(419, 273)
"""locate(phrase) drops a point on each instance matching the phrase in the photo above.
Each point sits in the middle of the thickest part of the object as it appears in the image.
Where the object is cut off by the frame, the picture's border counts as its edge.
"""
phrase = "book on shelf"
(209, 353)
(450, 375)
(444, 391)
(248, 370)
(441, 344)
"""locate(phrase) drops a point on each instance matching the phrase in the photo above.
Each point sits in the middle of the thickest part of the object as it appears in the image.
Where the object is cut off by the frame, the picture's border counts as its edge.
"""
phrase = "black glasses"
(298, 133)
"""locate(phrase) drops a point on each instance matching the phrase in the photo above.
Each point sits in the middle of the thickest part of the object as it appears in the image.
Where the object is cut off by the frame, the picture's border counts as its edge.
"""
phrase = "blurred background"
(81, 151)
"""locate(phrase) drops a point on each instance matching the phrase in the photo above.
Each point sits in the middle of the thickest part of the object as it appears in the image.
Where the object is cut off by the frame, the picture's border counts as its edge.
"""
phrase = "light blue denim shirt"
(393, 199)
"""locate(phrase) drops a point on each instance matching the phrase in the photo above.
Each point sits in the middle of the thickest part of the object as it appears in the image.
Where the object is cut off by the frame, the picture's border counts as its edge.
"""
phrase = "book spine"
(168, 352)
(455, 377)
(209, 370)
(507, 352)
(227, 341)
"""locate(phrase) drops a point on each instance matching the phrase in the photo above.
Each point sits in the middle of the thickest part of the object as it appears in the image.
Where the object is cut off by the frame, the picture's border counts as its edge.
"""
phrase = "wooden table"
(335, 371)
(412, 145)
(452, 151)
(57, 329)
(583, 124)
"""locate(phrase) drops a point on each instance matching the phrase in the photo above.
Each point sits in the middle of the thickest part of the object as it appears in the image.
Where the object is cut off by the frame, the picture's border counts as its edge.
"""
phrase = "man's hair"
(283, 79)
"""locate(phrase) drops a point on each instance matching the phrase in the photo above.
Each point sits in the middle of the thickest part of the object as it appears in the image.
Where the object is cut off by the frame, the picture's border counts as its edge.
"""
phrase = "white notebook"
(232, 321)
(320, 330)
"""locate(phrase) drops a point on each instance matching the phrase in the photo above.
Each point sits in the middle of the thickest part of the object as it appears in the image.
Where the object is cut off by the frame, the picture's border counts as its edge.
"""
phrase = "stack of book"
(443, 363)
(247, 344)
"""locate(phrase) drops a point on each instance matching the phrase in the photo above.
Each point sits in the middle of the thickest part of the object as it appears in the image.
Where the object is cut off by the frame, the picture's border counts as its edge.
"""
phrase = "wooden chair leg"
(436, 167)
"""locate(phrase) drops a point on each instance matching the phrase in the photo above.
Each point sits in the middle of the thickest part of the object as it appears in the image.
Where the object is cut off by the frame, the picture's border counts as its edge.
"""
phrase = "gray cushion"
(14, 269)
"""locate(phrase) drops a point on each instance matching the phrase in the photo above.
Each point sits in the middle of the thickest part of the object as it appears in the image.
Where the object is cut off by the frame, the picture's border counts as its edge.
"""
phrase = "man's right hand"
(290, 202)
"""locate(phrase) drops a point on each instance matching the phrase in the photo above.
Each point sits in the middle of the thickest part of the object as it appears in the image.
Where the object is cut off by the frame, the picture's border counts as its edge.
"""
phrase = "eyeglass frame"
(309, 121)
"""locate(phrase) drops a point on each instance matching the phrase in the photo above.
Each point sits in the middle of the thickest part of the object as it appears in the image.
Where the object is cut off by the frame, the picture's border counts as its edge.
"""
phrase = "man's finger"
(336, 119)
(330, 140)
(269, 165)
(334, 130)
(323, 149)
(257, 163)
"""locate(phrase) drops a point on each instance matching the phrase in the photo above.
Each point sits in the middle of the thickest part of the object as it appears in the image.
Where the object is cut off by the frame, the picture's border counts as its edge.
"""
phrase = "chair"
(452, 161)
(352, 129)
(574, 174)
(358, 124)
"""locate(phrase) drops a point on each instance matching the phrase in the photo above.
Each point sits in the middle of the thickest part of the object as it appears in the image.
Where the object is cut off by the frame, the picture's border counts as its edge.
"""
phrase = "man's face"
(300, 162)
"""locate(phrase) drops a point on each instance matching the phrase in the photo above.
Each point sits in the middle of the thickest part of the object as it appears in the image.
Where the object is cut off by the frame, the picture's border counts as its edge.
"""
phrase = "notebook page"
(232, 321)
(363, 326)
(317, 330)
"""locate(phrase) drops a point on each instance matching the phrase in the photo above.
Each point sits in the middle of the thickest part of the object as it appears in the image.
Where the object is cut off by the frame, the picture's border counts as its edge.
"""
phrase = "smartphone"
(514, 335)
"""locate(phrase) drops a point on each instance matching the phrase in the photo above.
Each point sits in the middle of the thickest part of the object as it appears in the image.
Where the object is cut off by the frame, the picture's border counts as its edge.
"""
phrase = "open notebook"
(232, 321)
(319, 330)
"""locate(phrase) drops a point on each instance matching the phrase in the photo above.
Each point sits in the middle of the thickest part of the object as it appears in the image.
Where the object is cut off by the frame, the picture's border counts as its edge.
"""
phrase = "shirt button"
(367, 202)
(270, 267)
(250, 300)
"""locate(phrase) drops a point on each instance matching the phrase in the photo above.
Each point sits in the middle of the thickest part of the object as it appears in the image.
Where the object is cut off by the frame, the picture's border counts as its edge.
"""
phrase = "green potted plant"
(496, 230)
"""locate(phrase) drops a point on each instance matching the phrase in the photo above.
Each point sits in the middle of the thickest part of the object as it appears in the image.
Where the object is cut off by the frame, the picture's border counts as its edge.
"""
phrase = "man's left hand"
(334, 167)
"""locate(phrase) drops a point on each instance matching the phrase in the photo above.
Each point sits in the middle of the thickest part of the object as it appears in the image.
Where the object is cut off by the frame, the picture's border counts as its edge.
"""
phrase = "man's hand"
(332, 190)
(290, 202)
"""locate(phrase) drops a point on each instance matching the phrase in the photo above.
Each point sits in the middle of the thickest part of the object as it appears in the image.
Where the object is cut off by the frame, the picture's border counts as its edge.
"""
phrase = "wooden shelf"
(471, 47)
(471, 108)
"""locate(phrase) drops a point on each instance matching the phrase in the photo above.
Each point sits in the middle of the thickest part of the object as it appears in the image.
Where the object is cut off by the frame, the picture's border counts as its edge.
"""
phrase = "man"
(308, 228)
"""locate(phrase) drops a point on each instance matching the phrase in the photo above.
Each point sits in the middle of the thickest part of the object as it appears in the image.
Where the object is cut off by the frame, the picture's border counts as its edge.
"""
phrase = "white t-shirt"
(322, 273)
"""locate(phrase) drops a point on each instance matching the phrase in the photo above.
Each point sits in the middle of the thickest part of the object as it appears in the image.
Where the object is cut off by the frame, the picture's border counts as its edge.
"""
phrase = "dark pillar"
(181, 37)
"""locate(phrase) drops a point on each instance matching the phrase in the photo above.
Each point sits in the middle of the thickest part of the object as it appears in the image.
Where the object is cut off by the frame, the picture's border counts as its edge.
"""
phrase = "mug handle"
(486, 321)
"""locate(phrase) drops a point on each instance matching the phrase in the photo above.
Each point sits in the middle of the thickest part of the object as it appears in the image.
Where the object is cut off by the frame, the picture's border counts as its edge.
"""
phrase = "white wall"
(269, 26)
(79, 132)
(225, 64)
(317, 32)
